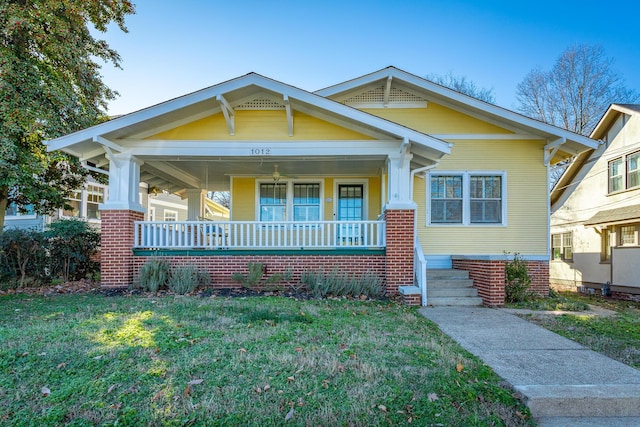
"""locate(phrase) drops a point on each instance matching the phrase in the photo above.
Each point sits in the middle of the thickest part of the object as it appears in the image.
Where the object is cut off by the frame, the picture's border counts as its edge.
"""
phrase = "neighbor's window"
(446, 199)
(615, 175)
(74, 202)
(562, 246)
(170, 215)
(95, 196)
(633, 170)
(467, 198)
(12, 210)
(306, 202)
(628, 236)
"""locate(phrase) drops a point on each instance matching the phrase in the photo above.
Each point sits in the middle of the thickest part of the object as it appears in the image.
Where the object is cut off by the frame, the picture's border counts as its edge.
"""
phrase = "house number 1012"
(261, 151)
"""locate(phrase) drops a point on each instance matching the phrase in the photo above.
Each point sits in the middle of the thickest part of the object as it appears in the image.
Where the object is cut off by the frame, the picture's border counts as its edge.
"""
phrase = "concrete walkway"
(563, 383)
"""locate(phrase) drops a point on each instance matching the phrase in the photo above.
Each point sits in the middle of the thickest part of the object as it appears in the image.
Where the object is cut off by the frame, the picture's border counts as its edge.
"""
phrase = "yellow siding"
(243, 198)
(436, 119)
(261, 125)
(527, 216)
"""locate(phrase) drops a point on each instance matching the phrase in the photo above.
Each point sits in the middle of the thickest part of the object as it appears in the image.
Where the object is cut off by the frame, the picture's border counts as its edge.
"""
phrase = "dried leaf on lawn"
(45, 391)
(289, 415)
(432, 397)
(459, 367)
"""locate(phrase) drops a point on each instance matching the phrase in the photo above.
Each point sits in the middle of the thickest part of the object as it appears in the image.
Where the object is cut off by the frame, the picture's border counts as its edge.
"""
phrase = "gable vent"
(375, 98)
(260, 104)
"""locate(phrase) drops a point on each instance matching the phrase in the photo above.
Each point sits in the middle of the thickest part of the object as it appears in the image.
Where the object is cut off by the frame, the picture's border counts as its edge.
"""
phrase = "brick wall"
(489, 278)
(399, 253)
(116, 255)
(222, 267)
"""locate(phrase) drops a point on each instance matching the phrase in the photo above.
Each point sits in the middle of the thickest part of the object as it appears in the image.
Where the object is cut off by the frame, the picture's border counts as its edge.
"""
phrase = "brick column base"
(116, 254)
(489, 278)
(399, 253)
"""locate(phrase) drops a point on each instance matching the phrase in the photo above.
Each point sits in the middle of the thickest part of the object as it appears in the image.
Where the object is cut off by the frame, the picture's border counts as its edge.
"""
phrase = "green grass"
(554, 302)
(616, 336)
(213, 361)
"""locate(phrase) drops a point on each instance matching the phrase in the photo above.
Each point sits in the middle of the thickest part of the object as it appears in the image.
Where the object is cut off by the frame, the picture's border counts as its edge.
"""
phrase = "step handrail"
(420, 270)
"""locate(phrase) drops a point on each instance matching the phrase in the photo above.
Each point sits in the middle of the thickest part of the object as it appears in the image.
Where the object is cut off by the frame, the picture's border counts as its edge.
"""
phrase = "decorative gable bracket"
(229, 114)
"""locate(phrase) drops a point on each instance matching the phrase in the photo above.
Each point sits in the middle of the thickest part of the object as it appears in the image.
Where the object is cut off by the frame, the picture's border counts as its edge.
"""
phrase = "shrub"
(255, 277)
(184, 279)
(72, 245)
(23, 256)
(517, 280)
(339, 283)
(153, 276)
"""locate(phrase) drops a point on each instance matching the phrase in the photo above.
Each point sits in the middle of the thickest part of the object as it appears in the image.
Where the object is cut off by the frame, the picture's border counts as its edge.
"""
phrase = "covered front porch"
(313, 183)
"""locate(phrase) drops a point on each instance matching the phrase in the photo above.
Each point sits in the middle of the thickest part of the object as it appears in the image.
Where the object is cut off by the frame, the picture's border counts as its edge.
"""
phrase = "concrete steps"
(448, 287)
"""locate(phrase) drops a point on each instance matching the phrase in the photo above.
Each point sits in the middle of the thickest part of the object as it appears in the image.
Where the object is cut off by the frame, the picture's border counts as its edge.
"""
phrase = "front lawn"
(616, 336)
(95, 360)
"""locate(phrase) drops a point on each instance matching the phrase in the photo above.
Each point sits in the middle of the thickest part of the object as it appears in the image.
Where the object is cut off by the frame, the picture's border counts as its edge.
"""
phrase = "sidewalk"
(563, 383)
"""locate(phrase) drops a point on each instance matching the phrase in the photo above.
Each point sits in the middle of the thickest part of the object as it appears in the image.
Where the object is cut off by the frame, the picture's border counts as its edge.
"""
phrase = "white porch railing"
(259, 235)
(420, 268)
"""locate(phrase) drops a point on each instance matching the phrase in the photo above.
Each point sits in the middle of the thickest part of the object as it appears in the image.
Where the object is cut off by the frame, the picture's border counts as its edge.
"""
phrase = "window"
(75, 204)
(628, 236)
(170, 215)
(467, 198)
(633, 170)
(486, 199)
(615, 175)
(562, 247)
(12, 210)
(306, 202)
(95, 197)
(446, 199)
(273, 202)
(151, 214)
(289, 201)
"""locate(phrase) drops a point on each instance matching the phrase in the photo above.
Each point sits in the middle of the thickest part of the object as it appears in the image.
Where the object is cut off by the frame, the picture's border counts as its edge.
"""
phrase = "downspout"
(423, 289)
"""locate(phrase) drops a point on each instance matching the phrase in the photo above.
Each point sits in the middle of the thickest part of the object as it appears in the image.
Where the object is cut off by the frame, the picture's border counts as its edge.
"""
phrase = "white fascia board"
(471, 102)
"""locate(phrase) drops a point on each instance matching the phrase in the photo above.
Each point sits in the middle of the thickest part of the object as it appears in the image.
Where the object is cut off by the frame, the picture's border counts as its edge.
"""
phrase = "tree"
(50, 85)
(462, 85)
(576, 91)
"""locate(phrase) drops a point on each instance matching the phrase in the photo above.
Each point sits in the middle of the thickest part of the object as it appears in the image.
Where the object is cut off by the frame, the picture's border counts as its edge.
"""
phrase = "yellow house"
(387, 172)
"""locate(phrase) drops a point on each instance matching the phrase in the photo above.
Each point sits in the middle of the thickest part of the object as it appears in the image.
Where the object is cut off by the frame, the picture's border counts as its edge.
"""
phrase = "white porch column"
(124, 183)
(195, 203)
(399, 182)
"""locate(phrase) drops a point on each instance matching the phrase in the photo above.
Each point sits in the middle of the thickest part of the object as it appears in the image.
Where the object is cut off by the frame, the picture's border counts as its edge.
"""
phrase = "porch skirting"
(222, 266)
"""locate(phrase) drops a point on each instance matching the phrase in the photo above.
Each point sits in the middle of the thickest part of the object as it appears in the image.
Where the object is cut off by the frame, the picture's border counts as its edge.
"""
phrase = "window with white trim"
(624, 172)
(170, 215)
(85, 203)
(95, 197)
(628, 235)
(467, 198)
(289, 201)
(562, 246)
(74, 205)
(12, 210)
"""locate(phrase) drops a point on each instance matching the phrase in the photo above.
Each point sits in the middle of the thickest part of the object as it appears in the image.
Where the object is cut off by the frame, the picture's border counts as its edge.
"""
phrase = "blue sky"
(176, 47)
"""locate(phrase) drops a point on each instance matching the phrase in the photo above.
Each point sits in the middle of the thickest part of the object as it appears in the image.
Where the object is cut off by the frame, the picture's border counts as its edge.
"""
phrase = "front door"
(350, 208)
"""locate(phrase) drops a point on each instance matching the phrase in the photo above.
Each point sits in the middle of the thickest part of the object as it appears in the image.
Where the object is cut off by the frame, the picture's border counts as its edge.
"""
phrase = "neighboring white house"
(84, 203)
(595, 211)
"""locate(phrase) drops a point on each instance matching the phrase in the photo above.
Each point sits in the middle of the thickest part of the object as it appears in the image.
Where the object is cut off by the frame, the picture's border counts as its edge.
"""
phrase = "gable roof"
(571, 143)
(607, 119)
(235, 92)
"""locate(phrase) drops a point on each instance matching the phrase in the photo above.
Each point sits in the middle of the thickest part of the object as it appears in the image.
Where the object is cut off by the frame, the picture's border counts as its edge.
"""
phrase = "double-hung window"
(624, 172)
(467, 198)
(562, 246)
(289, 201)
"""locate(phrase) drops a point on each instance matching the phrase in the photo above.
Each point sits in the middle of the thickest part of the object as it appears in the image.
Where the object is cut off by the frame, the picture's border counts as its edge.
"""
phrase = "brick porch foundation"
(399, 255)
(489, 277)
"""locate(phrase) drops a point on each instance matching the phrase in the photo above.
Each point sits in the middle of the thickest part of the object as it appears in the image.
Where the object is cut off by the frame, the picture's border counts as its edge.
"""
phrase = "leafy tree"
(576, 91)
(50, 85)
(463, 85)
